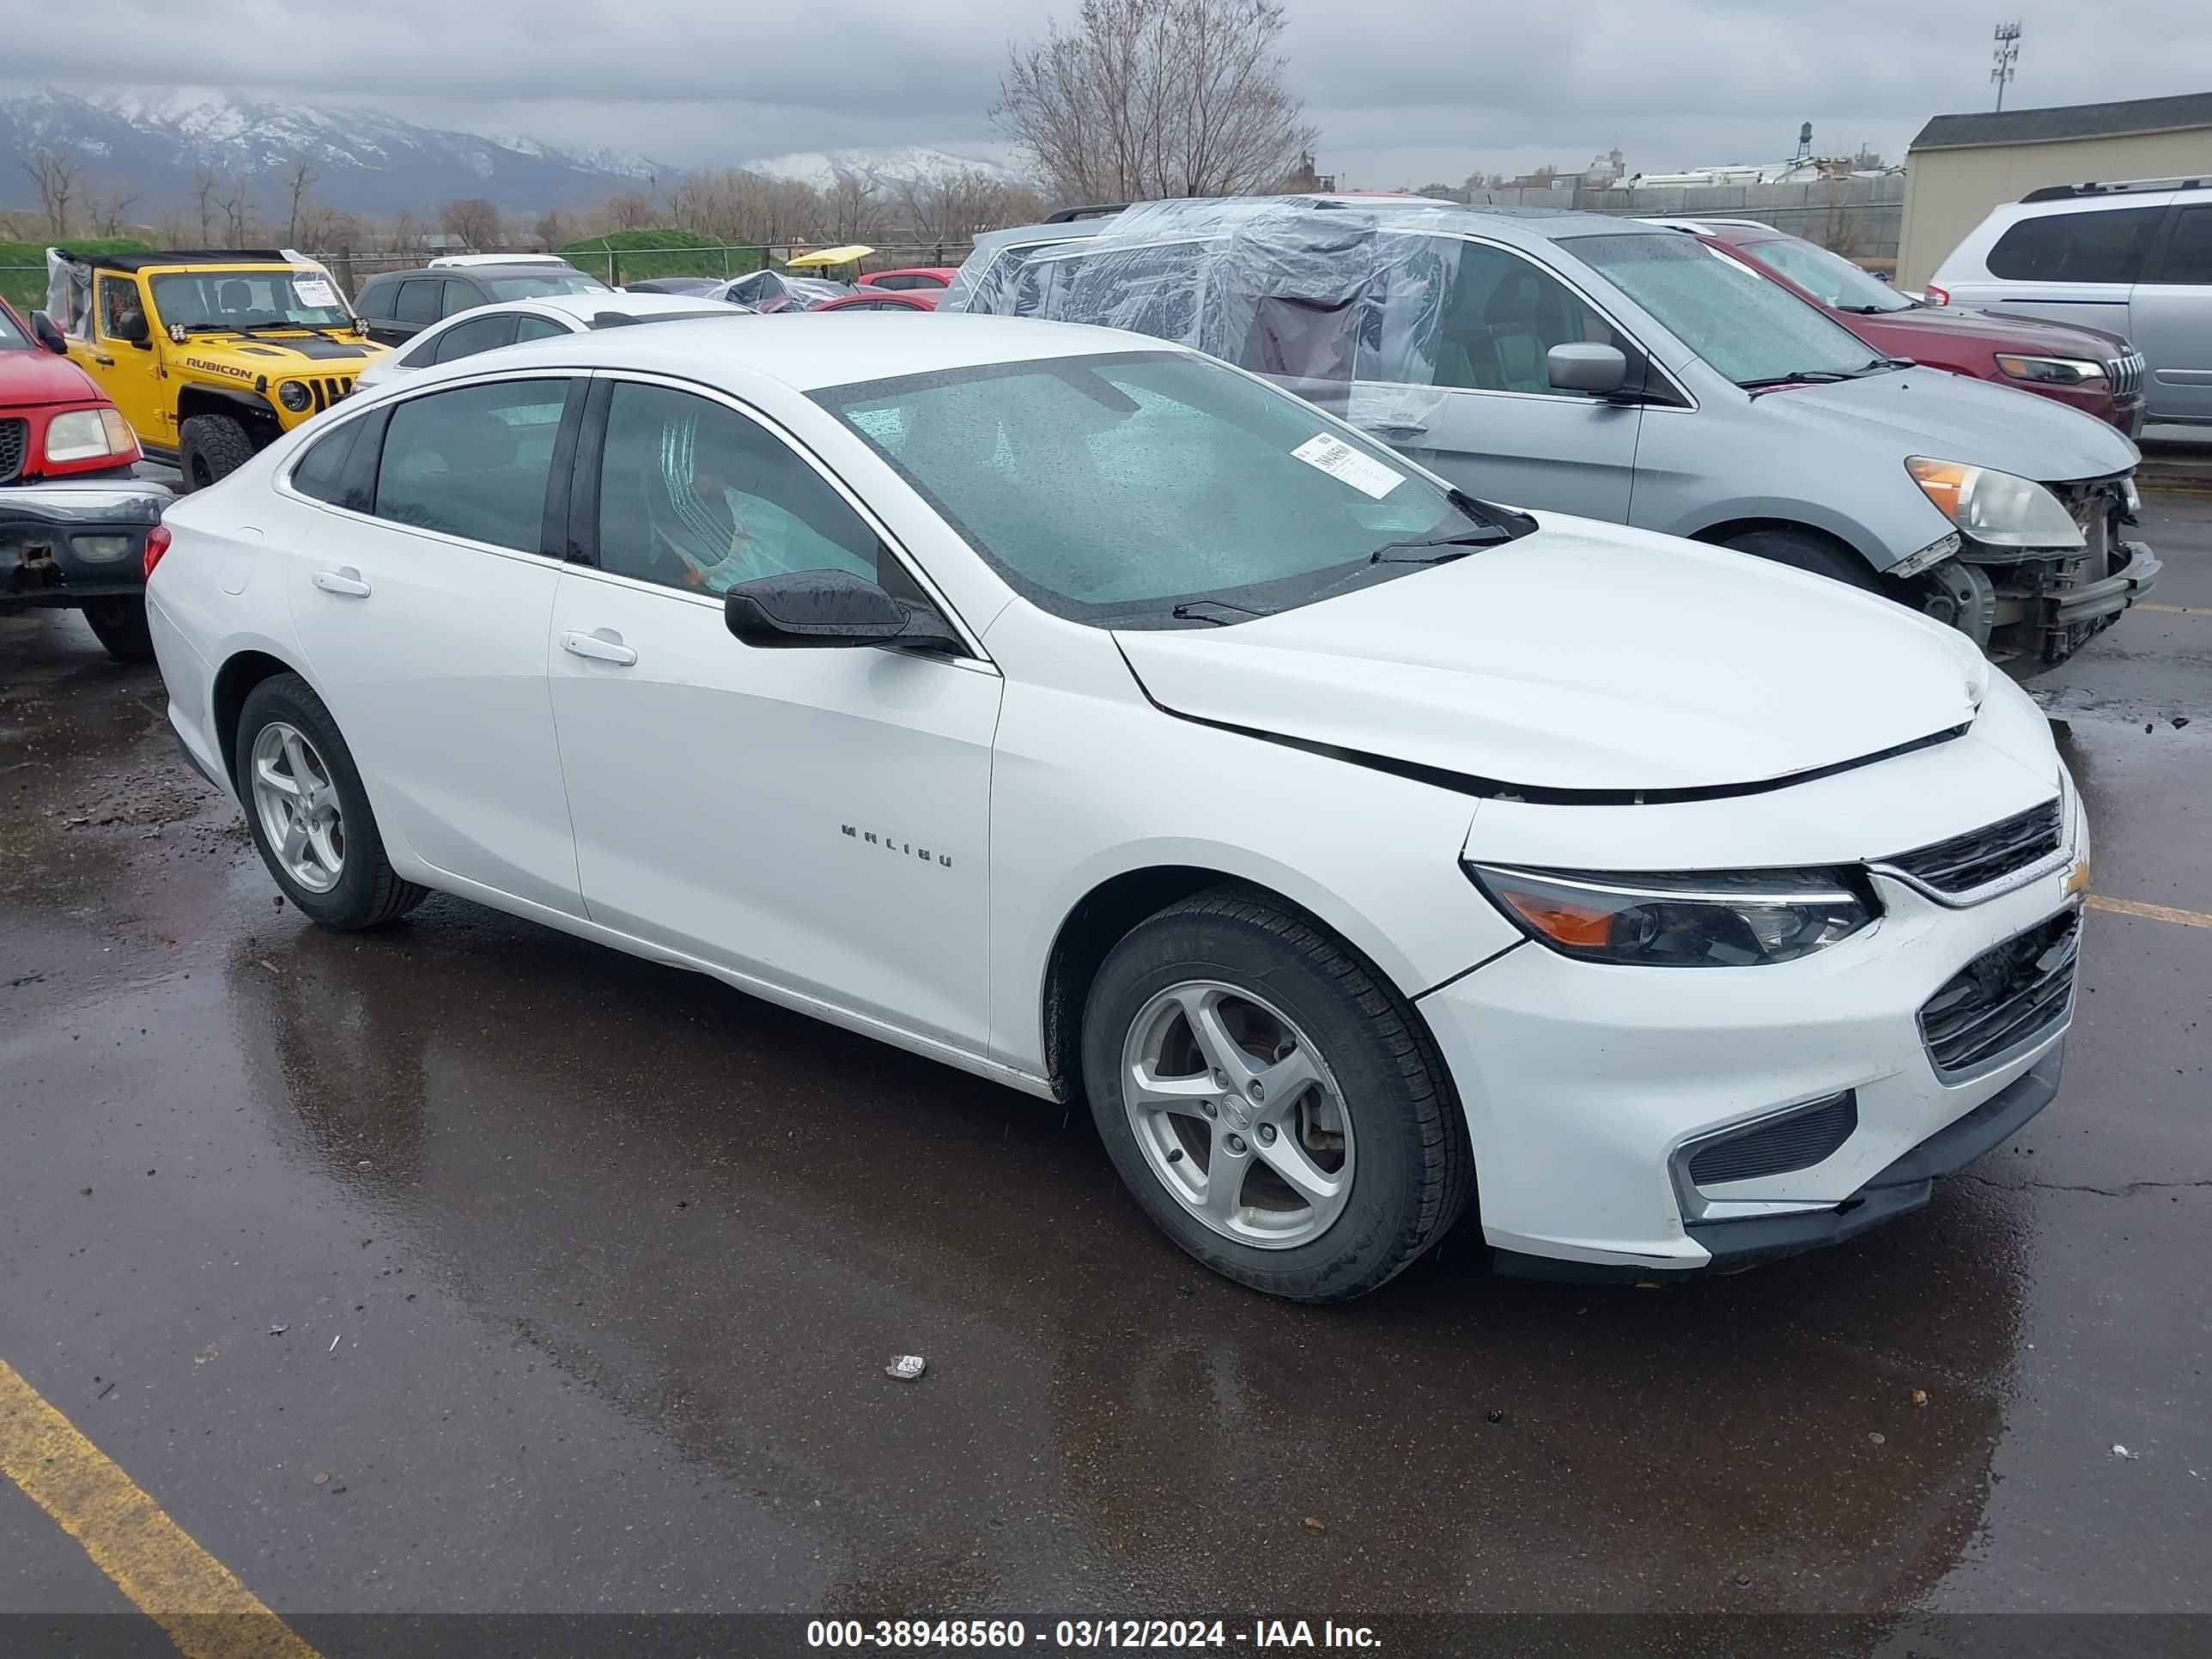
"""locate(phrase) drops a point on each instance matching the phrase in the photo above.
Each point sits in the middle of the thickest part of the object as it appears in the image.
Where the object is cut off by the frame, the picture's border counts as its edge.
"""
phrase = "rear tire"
(1807, 550)
(308, 813)
(1378, 1123)
(212, 447)
(119, 624)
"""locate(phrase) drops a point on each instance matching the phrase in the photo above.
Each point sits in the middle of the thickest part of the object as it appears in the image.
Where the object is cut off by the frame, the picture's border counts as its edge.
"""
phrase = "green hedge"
(638, 254)
(23, 265)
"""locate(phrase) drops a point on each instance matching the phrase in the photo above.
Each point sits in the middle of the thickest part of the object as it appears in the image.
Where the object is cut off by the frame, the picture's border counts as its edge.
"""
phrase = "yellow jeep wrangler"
(209, 355)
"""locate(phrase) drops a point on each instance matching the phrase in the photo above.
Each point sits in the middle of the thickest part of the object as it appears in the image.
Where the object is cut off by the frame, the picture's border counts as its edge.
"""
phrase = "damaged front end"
(2035, 604)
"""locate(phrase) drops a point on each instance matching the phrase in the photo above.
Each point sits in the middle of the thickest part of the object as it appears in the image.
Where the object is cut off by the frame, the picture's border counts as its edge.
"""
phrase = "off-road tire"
(1414, 1172)
(119, 624)
(1809, 551)
(369, 892)
(211, 447)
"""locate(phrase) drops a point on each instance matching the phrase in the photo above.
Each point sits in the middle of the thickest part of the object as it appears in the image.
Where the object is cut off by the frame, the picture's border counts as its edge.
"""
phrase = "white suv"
(2132, 258)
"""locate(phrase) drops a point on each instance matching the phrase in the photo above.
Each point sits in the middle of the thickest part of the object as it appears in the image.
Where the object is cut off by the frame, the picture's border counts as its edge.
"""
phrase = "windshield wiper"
(1207, 611)
(1799, 376)
(1440, 550)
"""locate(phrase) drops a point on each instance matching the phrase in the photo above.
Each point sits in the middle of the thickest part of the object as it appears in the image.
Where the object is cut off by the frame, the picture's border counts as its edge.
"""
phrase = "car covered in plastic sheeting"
(1612, 369)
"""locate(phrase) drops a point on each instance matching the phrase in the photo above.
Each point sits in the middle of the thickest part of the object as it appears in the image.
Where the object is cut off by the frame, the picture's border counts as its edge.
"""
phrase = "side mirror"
(130, 328)
(44, 332)
(1600, 370)
(828, 608)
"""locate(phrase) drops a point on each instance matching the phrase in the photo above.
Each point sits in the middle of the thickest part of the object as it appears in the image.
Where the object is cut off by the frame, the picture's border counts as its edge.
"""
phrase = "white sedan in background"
(1094, 717)
(515, 322)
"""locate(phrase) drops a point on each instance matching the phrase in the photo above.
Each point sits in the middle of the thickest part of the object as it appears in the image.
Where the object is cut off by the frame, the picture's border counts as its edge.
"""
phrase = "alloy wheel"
(1237, 1114)
(298, 805)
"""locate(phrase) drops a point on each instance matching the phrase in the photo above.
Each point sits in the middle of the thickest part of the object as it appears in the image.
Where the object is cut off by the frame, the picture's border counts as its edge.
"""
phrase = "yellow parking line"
(2155, 912)
(207, 1612)
(2179, 609)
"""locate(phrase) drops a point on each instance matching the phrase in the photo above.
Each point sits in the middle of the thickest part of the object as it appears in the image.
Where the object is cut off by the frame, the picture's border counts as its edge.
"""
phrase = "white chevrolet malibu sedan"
(1095, 718)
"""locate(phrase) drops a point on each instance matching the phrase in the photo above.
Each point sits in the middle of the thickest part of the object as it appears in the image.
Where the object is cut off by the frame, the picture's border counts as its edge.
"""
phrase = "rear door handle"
(346, 581)
(603, 645)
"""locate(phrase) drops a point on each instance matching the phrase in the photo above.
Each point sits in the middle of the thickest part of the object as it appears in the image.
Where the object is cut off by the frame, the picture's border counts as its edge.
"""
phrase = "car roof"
(1435, 214)
(464, 273)
(808, 351)
(235, 258)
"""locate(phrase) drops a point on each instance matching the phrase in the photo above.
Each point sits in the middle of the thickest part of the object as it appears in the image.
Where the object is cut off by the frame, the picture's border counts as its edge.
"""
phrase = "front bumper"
(50, 537)
(1584, 1085)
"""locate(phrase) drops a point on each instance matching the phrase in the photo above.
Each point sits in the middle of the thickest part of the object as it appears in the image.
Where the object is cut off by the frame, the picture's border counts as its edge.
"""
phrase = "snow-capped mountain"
(884, 169)
(365, 161)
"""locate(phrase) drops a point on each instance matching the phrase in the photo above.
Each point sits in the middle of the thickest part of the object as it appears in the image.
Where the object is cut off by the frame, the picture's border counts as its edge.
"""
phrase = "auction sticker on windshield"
(1340, 460)
(315, 292)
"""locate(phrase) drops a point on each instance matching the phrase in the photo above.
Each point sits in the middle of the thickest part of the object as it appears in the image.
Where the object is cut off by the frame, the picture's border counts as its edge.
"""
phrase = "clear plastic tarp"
(69, 294)
(1342, 305)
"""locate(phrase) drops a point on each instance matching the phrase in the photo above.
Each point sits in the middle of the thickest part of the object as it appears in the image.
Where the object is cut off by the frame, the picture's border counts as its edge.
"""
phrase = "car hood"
(28, 378)
(1583, 658)
(2001, 332)
(280, 354)
(1954, 418)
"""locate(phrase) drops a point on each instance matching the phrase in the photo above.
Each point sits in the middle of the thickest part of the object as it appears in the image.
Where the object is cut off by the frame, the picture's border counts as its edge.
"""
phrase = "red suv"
(2099, 373)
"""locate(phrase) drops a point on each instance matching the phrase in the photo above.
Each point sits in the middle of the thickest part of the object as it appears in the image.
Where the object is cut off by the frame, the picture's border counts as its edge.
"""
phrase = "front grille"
(1796, 1142)
(1966, 863)
(329, 388)
(2126, 374)
(2003, 998)
(15, 439)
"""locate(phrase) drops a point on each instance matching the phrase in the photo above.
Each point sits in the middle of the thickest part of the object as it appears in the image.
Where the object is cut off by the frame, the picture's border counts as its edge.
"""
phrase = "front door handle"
(346, 581)
(103, 360)
(603, 645)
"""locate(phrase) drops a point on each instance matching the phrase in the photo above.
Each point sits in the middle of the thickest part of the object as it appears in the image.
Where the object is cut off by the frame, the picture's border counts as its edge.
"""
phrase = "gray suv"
(1601, 366)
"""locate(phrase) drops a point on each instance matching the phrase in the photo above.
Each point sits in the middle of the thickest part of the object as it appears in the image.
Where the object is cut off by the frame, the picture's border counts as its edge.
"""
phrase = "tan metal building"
(1962, 166)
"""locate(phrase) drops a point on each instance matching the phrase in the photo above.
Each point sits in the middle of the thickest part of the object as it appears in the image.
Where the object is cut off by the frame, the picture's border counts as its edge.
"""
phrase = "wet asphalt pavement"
(614, 1257)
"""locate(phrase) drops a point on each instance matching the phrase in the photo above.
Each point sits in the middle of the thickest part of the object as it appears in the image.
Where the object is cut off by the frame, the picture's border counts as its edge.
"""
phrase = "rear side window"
(473, 462)
(2077, 247)
(2189, 255)
(375, 301)
(477, 334)
(536, 328)
(418, 300)
(460, 296)
(321, 473)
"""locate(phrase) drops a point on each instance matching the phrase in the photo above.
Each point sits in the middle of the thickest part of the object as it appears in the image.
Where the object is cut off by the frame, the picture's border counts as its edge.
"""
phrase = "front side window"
(2076, 247)
(693, 495)
(477, 334)
(1157, 489)
(2188, 254)
(1502, 317)
(119, 303)
(1828, 277)
(1752, 331)
(249, 299)
(473, 462)
(13, 338)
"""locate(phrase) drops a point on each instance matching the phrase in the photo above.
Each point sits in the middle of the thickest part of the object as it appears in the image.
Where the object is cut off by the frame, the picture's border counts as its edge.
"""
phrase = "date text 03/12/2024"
(946, 1634)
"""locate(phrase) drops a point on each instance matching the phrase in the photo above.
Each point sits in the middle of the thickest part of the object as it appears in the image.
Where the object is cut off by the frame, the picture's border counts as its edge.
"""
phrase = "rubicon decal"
(894, 844)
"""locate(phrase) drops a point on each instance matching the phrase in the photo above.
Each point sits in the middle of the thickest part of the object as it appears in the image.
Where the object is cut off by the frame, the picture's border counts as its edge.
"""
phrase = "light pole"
(2005, 57)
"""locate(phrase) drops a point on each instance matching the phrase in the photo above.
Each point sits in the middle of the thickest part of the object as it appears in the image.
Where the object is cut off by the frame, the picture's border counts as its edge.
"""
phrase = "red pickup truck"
(2086, 368)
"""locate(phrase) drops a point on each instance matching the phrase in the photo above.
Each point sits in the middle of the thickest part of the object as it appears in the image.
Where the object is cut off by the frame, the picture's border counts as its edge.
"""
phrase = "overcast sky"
(1404, 92)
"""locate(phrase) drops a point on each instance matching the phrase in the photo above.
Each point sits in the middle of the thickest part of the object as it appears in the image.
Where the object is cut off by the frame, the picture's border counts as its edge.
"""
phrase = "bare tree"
(110, 210)
(1155, 98)
(632, 210)
(555, 229)
(472, 219)
(852, 208)
(298, 179)
(951, 207)
(54, 174)
(233, 200)
(204, 187)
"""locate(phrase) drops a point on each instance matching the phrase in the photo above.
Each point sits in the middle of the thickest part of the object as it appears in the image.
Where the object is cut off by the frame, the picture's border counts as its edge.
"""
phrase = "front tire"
(309, 814)
(1804, 549)
(211, 446)
(119, 624)
(1272, 1103)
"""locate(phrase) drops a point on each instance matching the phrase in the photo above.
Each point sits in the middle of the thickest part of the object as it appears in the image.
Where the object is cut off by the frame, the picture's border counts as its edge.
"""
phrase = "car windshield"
(1159, 488)
(535, 285)
(250, 299)
(12, 338)
(1827, 277)
(1755, 331)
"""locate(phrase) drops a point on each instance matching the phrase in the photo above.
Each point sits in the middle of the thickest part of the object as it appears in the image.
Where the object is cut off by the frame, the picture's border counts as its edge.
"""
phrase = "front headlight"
(294, 397)
(1997, 509)
(84, 434)
(1720, 919)
(2049, 371)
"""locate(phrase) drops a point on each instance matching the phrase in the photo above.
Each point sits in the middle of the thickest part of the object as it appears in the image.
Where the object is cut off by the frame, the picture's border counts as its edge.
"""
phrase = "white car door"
(814, 818)
(2171, 318)
(422, 601)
